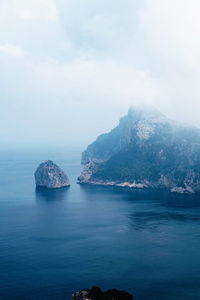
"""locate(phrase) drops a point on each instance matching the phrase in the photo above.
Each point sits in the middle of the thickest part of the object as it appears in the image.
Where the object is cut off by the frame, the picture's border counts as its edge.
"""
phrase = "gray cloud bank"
(70, 69)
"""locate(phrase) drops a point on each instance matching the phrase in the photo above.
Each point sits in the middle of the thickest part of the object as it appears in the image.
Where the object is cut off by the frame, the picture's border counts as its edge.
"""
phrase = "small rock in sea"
(95, 293)
(50, 176)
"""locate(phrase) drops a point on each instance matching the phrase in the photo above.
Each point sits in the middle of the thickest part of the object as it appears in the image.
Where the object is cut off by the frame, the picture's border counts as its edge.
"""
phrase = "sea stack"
(49, 175)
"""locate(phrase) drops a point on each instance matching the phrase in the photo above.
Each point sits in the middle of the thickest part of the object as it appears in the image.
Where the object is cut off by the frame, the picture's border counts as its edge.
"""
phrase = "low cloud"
(13, 50)
(81, 60)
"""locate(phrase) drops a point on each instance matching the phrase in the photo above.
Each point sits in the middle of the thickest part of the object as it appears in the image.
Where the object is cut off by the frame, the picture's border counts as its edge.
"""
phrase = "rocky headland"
(146, 150)
(49, 175)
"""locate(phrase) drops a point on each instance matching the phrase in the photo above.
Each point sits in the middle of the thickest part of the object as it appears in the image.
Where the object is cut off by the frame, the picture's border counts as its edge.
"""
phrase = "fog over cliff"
(70, 69)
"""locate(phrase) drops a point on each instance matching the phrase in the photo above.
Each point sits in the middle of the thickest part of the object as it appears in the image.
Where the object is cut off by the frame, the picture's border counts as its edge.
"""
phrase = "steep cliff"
(146, 150)
(49, 175)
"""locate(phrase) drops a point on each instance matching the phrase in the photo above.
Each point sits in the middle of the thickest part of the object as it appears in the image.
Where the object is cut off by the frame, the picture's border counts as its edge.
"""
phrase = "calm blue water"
(53, 243)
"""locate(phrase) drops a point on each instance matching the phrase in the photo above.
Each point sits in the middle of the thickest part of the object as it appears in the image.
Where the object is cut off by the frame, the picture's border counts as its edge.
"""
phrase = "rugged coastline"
(134, 185)
(146, 150)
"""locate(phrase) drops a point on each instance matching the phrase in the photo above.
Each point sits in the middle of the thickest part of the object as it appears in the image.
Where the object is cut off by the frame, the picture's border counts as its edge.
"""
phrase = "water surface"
(53, 243)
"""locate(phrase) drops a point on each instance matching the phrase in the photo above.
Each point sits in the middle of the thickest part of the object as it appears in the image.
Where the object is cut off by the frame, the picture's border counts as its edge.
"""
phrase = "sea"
(56, 242)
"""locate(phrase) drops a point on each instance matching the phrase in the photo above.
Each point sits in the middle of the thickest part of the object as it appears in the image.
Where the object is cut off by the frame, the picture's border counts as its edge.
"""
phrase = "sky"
(69, 69)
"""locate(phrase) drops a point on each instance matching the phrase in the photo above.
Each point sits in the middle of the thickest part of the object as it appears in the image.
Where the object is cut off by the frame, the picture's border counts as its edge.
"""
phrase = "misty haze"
(100, 155)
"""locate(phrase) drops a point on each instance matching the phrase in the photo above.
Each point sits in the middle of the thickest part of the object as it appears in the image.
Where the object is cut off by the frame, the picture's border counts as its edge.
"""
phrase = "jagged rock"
(50, 176)
(146, 150)
(95, 293)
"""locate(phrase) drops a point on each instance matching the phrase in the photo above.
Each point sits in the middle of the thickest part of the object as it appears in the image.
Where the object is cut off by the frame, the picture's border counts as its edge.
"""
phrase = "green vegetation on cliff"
(147, 148)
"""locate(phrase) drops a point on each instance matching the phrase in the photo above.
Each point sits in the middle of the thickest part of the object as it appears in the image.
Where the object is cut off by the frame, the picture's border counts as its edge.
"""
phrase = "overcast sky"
(70, 68)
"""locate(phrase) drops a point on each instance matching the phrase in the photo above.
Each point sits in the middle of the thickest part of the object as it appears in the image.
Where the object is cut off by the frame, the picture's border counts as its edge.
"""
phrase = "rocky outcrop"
(95, 293)
(146, 150)
(49, 175)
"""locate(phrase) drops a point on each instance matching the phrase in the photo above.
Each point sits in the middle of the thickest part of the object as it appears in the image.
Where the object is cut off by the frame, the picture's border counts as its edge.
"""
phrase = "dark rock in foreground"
(146, 150)
(50, 176)
(95, 293)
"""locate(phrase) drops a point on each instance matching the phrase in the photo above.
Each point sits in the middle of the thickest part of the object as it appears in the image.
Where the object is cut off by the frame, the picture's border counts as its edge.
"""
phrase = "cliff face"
(49, 175)
(145, 150)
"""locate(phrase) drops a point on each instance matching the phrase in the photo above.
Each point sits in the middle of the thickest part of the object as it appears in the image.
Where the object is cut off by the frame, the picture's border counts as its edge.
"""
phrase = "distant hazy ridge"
(145, 150)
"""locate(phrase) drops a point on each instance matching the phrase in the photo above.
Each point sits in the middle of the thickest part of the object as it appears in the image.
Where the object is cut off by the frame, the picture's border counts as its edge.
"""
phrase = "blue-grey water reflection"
(56, 242)
(43, 194)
